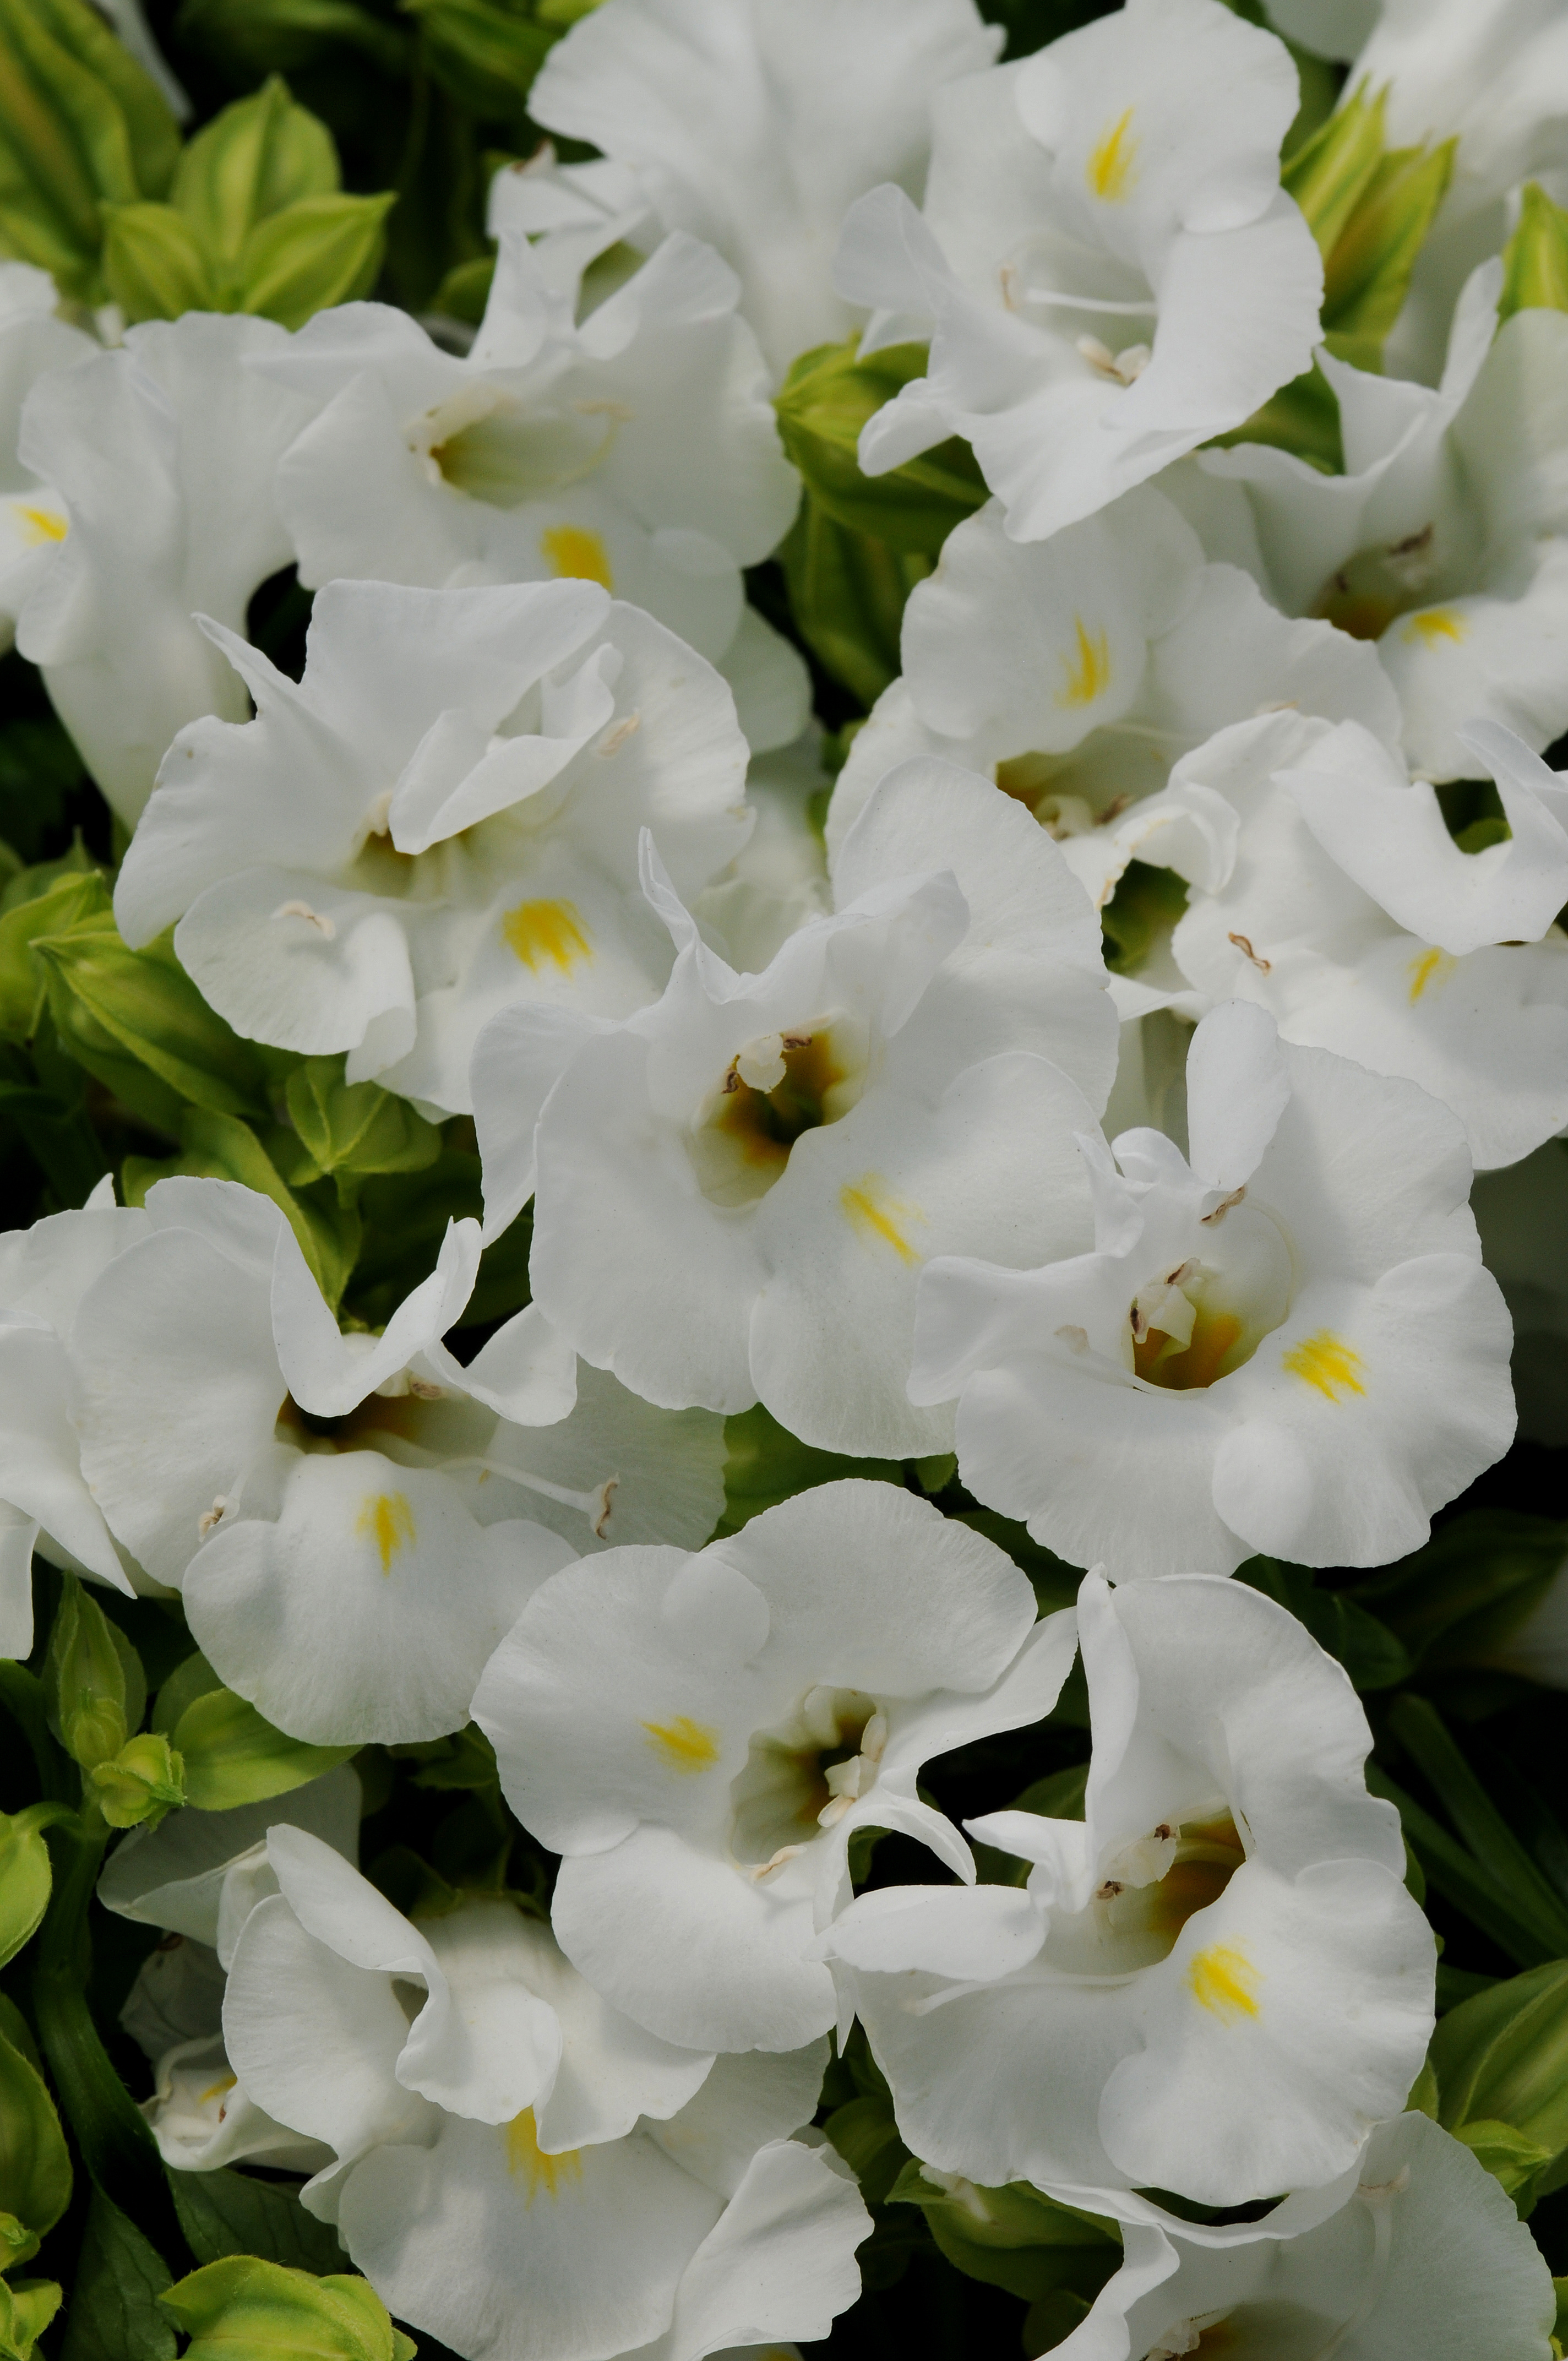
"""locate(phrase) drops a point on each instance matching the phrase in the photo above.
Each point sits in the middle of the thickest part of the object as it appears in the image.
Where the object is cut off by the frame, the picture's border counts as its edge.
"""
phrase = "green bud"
(1329, 173)
(60, 905)
(267, 36)
(1501, 2059)
(352, 1129)
(1367, 274)
(94, 1679)
(25, 1875)
(1509, 2156)
(27, 2307)
(258, 157)
(564, 13)
(1011, 2237)
(847, 593)
(321, 251)
(485, 53)
(866, 2136)
(231, 1755)
(466, 290)
(35, 2166)
(822, 405)
(241, 2309)
(154, 266)
(145, 1780)
(1535, 259)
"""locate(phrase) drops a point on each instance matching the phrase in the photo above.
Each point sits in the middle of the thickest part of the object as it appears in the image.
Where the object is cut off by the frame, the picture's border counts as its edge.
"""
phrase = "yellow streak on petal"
(39, 525)
(538, 932)
(1087, 676)
(1437, 623)
(686, 1745)
(388, 1521)
(216, 2090)
(1223, 1981)
(525, 2157)
(571, 550)
(1328, 1363)
(1428, 967)
(869, 1208)
(1110, 171)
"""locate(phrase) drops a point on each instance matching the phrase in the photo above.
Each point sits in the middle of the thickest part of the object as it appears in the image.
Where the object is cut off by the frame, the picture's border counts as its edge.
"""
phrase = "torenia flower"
(1445, 542)
(1075, 671)
(636, 448)
(33, 340)
(1425, 2255)
(1338, 901)
(1288, 1343)
(45, 1502)
(702, 1737)
(441, 819)
(736, 1187)
(162, 457)
(755, 124)
(354, 1521)
(1107, 267)
(518, 2169)
(1214, 1983)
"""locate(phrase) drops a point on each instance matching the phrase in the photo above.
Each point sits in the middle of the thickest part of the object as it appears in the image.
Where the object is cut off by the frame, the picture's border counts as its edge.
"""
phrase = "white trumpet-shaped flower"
(1288, 1343)
(702, 1737)
(34, 339)
(635, 448)
(517, 2167)
(736, 1188)
(440, 820)
(1107, 267)
(354, 1521)
(1213, 1983)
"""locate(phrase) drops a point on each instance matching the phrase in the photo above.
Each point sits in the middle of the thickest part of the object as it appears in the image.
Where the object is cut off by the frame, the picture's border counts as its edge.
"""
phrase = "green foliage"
(1369, 1651)
(27, 2307)
(1501, 2064)
(25, 1880)
(229, 2213)
(245, 2308)
(1011, 2237)
(351, 1130)
(232, 1755)
(846, 594)
(34, 2167)
(113, 2314)
(282, 36)
(822, 405)
(142, 1782)
(764, 1464)
(93, 1678)
(1455, 1602)
(1535, 259)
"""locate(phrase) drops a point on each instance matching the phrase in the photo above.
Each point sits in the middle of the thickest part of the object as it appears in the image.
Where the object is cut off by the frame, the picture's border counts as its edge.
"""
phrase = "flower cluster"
(757, 957)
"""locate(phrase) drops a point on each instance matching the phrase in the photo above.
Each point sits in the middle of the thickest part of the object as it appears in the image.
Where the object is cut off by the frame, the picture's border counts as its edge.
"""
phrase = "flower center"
(1148, 1891)
(484, 442)
(1389, 579)
(774, 1091)
(1198, 1320)
(804, 1775)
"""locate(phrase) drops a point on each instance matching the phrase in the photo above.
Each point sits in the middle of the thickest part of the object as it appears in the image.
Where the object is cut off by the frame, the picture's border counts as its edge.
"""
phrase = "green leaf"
(485, 52)
(320, 251)
(466, 290)
(27, 2307)
(822, 405)
(231, 1755)
(1372, 1655)
(354, 1129)
(866, 2136)
(34, 2167)
(24, 1879)
(1011, 2237)
(85, 1675)
(1511, 2158)
(1302, 418)
(220, 1146)
(192, 1677)
(150, 126)
(262, 36)
(1527, 1892)
(244, 2309)
(1535, 259)
(1455, 1601)
(155, 266)
(113, 2314)
(59, 904)
(258, 157)
(227, 2212)
(1502, 2058)
(145, 1780)
(764, 1464)
(846, 594)
(1147, 903)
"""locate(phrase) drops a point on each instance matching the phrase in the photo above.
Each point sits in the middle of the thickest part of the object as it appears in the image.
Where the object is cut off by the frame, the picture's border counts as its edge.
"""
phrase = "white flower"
(440, 820)
(1075, 670)
(1107, 267)
(1445, 542)
(756, 123)
(1336, 899)
(779, 878)
(636, 448)
(45, 1502)
(518, 2169)
(162, 457)
(738, 1186)
(1215, 1983)
(1289, 1343)
(702, 1737)
(354, 1521)
(33, 340)
(1424, 2255)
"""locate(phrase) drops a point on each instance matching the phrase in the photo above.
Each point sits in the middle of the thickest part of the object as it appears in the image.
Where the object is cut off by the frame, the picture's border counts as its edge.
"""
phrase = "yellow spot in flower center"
(1110, 173)
(1437, 623)
(1199, 1363)
(540, 931)
(388, 1521)
(1430, 967)
(1223, 1981)
(1327, 1363)
(216, 2090)
(539, 2172)
(1088, 674)
(684, 1744)
(574, 552)
(867, 1208)
(39, 525)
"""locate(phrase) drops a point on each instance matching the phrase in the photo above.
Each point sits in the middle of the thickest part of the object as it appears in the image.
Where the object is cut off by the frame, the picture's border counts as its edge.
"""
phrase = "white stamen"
(761, 1063)
(615, 738)
(211, 1518)
(311, 917)
(766, 1868)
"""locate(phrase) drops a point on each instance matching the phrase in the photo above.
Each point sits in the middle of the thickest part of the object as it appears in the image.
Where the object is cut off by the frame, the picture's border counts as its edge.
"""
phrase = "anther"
(311, 917)
(1246, 949)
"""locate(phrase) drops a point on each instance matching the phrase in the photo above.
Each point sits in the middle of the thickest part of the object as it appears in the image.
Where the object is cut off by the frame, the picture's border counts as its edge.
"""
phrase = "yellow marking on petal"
(1223, 1981)
(1110, 173)
(39, 525)
(1088, 674)
(686, 1745)
(538, 932)
(216, 2090)
(574, 552)
(388, 1521)
(525, 2157)
(1437, 623)
(1428, 967)
(1328, 1363)
(868, 1207)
